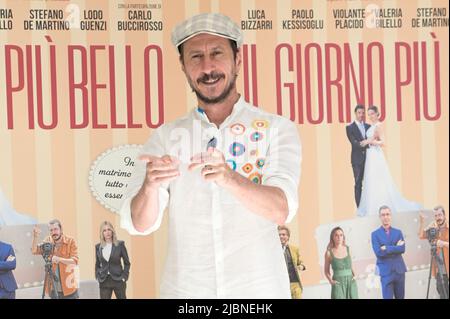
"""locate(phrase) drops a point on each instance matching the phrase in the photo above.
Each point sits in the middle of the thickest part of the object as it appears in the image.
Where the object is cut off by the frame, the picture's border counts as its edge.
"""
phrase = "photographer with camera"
(61, 255)
(437, 235)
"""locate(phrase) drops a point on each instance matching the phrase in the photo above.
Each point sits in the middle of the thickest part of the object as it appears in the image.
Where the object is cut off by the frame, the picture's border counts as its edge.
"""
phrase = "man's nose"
(208, 64)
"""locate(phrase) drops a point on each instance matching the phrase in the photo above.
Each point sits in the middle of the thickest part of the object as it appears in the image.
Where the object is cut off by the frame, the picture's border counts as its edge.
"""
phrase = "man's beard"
(56, 238)
(213, 75)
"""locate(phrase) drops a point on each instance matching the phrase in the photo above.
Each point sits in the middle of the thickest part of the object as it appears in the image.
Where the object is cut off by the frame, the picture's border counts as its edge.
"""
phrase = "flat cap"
(212, 23)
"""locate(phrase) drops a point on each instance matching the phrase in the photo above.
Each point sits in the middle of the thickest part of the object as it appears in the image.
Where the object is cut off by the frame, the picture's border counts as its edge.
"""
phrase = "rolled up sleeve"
(73, 254)
(155, 147)
(283, 163)
(125, 214)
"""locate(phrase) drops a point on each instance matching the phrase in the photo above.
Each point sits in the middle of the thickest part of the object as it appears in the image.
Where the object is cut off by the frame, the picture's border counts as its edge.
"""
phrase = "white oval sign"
(110, 174)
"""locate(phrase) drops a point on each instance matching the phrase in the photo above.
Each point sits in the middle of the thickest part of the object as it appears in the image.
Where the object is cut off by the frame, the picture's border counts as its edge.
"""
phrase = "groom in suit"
(389, 245)
(356, 133)
(8, 284)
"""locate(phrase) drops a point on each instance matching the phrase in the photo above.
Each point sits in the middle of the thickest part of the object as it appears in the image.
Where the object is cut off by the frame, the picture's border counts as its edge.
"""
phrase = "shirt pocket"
(64, 251)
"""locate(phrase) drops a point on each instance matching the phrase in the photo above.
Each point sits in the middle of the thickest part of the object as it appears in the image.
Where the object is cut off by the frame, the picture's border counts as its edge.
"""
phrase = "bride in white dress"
(378, 186)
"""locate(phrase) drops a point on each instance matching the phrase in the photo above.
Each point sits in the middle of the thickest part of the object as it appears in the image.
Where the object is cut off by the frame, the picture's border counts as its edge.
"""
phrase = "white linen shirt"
(216, 247)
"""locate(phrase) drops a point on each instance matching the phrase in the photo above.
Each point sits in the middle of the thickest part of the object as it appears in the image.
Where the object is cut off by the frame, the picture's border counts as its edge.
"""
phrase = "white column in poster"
(82, 153)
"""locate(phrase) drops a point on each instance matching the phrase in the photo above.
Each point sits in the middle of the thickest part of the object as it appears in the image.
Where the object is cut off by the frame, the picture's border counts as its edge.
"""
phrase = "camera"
(47, 251)
(432, 235)
(50, 279)
(439, 264)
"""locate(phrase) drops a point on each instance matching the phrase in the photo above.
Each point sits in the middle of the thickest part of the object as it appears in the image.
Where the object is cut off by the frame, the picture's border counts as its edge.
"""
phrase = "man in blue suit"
(8, 283)
(389, 245)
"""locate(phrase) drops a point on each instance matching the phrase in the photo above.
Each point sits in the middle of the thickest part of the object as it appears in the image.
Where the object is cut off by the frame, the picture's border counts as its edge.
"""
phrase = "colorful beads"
(237, 149)
(232, 164)
(247, 168)
(260, 163)
(260, 124)
(237, 129)
(256, 136)
(255, 178)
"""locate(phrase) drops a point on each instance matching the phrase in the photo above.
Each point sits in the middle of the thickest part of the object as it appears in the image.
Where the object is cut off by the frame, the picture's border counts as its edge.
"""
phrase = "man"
(64, 261)
(8, 283)
(389, 245)
(225, 203)
(293, 262)
(356, 134)
(440, 224)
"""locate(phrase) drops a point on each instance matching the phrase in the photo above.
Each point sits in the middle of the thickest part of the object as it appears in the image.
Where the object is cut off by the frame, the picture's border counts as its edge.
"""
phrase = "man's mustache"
(210, 77)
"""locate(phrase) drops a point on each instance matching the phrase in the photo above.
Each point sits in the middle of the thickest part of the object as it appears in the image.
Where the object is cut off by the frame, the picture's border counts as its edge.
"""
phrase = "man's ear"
(238, 60)
(182, 64)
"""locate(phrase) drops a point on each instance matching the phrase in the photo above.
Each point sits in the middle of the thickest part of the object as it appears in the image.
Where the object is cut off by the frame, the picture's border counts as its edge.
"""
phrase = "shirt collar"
(64, 239)
(199, 113)
(434, 224)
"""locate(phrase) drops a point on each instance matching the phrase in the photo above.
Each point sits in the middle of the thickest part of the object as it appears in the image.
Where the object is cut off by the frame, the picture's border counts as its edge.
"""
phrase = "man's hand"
(440, 243)
(364, 143)
(301, 267)
(56, 259)
(214, 166)
(383, 247)
(421, 218)
(400, 242)
(10, 258)
(36, 231)
(160, 169)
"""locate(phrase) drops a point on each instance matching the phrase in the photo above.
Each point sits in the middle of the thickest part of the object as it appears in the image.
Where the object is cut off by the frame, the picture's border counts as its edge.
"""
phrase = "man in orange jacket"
(440, 227)
(64, 262)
